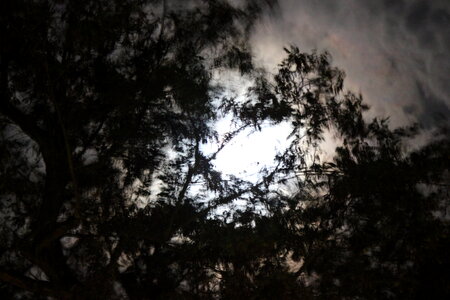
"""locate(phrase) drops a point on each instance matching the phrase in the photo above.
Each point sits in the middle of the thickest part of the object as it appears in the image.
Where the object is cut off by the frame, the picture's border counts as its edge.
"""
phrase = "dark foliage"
(105, 107)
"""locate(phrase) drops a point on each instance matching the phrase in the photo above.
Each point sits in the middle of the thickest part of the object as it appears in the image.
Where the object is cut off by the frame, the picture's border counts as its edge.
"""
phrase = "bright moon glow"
(250, 151)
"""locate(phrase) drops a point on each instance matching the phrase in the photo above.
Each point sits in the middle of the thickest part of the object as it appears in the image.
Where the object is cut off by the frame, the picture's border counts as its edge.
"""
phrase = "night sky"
(394, 52)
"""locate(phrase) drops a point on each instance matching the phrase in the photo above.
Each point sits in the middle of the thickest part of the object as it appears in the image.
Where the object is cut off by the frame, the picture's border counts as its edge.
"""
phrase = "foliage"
(106, 105)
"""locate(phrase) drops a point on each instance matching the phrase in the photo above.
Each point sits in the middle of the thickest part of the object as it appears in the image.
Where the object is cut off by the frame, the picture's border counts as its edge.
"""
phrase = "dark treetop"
(107, 103)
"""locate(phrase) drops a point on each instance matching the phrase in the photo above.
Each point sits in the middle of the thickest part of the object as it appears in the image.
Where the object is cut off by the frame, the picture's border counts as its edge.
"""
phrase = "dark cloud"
(435, 110)
(395, 52)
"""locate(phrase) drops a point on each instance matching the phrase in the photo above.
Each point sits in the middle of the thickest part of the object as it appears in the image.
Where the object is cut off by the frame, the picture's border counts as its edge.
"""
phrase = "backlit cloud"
(396, 53)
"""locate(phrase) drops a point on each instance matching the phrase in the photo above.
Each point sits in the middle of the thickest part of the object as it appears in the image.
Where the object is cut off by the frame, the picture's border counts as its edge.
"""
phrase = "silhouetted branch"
(25, 122)
(36, 286)
(228, 137)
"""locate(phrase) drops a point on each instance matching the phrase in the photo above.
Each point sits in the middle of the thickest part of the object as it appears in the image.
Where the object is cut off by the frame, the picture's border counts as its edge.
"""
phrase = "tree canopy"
(106, 191)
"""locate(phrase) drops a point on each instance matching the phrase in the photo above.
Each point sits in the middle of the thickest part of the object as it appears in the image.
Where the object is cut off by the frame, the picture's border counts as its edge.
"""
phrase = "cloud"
(395, 52)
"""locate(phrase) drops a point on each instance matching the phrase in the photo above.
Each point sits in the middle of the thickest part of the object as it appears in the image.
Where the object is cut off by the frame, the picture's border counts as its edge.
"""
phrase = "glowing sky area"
(251, 150)
(395, 53)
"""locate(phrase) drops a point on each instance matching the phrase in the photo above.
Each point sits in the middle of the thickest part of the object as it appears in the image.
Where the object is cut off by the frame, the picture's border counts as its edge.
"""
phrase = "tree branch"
(22, 120)
(228, 137)
(35, 286)
(67, 147)
(59, 231)
(191, 171)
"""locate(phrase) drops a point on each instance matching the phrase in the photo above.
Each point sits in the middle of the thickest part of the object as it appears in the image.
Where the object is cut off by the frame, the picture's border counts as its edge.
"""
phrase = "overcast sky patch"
(394, 52)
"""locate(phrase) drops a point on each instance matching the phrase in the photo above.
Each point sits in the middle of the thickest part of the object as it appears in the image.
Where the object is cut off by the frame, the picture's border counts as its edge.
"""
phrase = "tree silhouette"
(105, 107)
